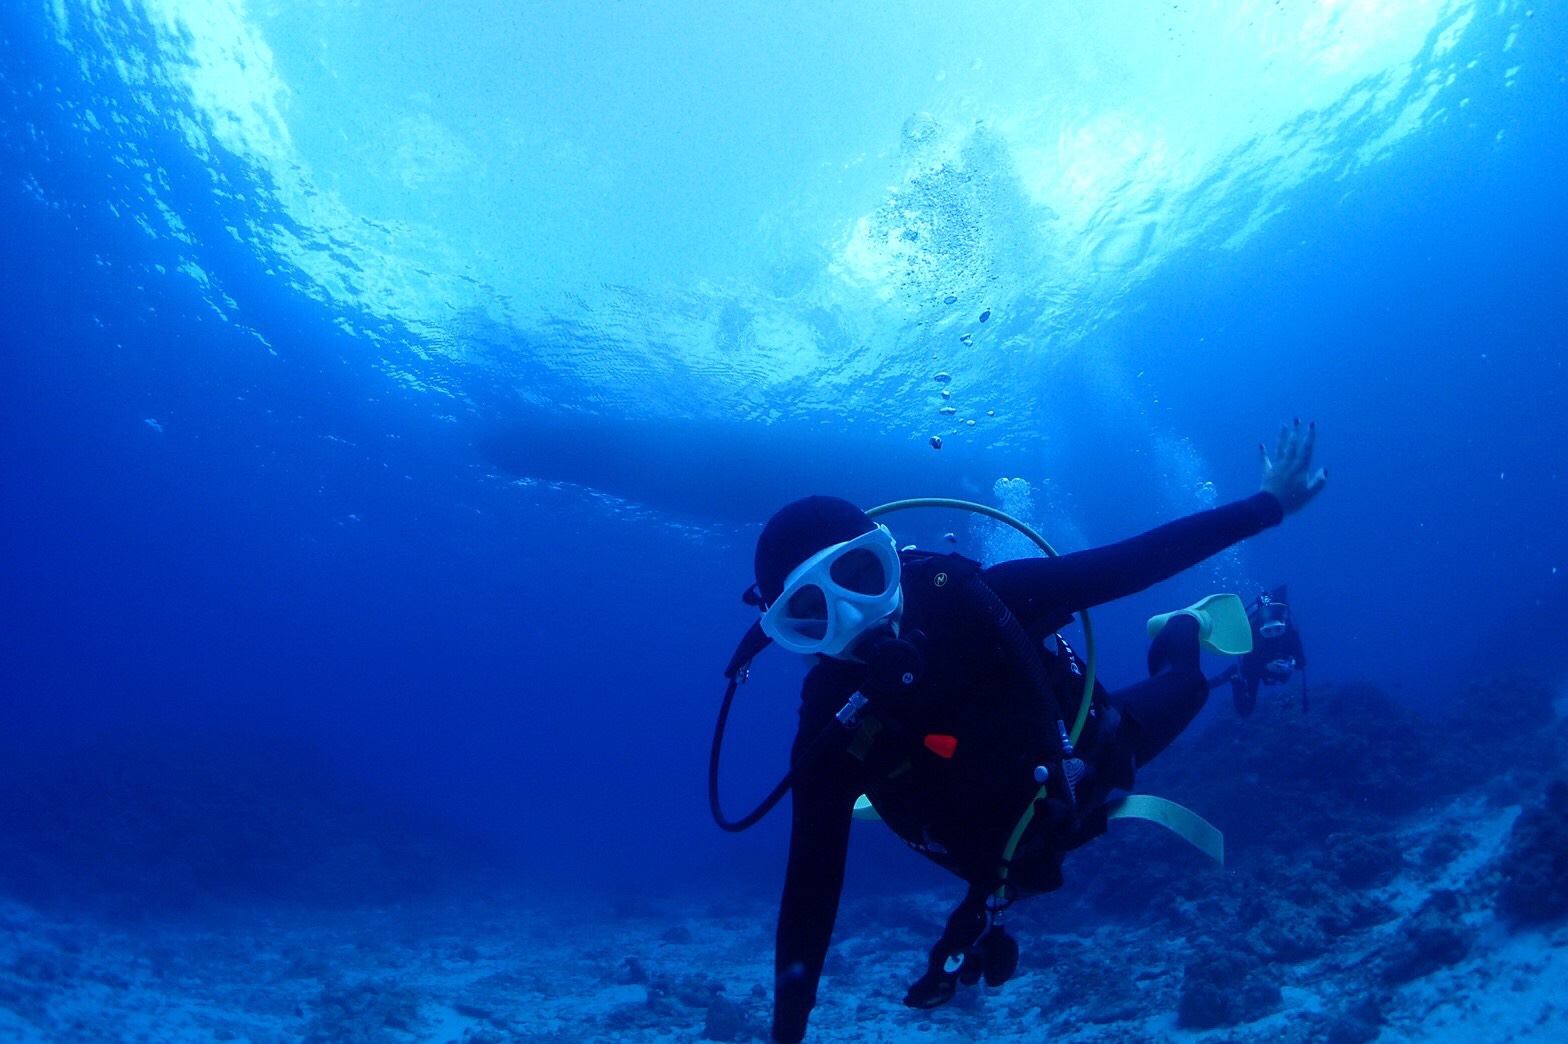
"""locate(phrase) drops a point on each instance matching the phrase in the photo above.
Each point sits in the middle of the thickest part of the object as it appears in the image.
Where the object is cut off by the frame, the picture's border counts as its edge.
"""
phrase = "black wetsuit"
(984, 713)
(1254, 668)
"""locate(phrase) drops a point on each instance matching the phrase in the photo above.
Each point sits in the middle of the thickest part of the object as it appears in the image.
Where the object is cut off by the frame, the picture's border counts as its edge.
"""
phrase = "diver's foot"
(1176, 645)
(994, 956)
(934, 989)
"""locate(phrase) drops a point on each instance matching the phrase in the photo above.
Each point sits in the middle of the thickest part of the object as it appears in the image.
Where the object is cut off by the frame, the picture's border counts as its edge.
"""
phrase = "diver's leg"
(1155, 711)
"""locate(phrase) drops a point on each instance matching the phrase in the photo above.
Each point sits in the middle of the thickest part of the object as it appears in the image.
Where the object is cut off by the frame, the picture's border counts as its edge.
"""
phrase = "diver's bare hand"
(1289, 477)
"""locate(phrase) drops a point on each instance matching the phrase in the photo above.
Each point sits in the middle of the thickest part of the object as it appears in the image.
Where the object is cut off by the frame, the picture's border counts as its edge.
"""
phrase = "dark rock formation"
(1534, 865)
(1435, 937)
(1221, 988)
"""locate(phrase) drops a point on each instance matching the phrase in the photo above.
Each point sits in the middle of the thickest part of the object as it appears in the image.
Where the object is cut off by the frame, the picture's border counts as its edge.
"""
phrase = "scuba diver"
(938, 699)
(1276, 652)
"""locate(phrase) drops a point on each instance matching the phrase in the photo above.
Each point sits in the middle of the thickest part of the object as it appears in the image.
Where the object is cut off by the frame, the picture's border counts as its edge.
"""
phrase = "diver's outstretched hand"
(1289, 476)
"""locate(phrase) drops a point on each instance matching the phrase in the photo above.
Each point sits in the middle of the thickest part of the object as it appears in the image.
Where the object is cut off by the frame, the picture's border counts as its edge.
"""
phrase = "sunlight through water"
(557, 202)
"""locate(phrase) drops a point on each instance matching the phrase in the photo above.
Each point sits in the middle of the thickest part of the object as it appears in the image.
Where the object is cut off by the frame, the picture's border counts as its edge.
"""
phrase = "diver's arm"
(1041, 592)
(822, 802)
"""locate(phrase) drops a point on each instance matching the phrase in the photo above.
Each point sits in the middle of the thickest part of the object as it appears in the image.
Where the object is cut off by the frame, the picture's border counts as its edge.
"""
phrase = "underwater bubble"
(936, 442)
(990, 413)
(951, 538)
(947, 393)
(943, 377)
(985, 316)
(950, 299)
(967, 339)
(948, 411)
(971, 423)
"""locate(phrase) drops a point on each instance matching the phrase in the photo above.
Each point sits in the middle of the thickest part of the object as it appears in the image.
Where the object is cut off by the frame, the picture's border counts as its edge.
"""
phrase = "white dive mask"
(838, 594)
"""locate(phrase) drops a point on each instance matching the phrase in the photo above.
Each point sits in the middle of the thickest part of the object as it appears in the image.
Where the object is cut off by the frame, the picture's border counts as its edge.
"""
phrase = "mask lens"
(859, 570)
(808, 603)
(1273, 629)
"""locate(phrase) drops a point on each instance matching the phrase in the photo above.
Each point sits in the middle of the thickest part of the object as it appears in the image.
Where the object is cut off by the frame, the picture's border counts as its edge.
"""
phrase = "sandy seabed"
(478, 971)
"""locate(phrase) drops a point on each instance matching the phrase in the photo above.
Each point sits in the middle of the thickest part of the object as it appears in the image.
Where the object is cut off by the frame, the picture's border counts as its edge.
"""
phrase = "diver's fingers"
(1263, 458)
(1308, 442)
(1298, 447)
(1282, 450)
(1317, 482)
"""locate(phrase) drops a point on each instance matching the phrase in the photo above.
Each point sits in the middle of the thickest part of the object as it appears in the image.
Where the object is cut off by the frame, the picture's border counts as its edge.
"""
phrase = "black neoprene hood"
(799, 530)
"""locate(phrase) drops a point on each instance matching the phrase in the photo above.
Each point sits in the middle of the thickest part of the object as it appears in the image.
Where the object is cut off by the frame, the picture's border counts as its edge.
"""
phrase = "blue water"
(273, 274)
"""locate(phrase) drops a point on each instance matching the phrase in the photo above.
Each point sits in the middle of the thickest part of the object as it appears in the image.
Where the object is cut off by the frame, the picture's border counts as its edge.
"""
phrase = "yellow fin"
(1223, 626)
(1183, 822)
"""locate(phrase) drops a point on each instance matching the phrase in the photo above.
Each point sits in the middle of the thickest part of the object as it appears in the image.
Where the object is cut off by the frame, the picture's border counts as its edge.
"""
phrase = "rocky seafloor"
(1392, 877)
